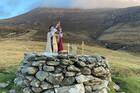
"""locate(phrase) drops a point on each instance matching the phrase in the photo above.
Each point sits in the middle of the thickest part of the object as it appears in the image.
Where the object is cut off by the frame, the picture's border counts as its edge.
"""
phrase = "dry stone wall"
(63, 74)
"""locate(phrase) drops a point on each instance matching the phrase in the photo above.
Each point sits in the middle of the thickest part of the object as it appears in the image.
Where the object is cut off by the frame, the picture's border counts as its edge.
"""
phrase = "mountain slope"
(74, 21)
(123, 33)
(93, 25)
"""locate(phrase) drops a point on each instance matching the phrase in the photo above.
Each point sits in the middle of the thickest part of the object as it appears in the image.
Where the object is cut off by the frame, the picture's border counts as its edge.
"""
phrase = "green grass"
(125, 66)
(128, 84)
(111, 89)
(7, 75)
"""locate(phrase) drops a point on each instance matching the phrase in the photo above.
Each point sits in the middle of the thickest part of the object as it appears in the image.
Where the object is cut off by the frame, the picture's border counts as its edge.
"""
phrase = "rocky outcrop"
(63, 74)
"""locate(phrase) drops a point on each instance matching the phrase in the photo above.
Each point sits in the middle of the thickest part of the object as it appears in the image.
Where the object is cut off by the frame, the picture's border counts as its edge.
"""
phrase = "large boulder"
(79, 88)
(41, 75)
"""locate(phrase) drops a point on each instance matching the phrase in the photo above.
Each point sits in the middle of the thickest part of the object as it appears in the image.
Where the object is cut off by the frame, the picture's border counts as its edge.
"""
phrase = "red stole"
(60, 42)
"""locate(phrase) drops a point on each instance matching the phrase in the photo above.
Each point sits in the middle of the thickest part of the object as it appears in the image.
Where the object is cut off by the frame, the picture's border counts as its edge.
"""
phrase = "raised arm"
(58, 24)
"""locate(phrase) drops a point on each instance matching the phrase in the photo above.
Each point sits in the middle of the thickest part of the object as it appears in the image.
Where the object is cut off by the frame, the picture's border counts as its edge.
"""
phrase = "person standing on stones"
(60, 40)
(52, 46)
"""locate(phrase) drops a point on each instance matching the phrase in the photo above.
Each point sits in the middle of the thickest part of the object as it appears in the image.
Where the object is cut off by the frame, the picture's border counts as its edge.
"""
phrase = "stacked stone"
(63, 74)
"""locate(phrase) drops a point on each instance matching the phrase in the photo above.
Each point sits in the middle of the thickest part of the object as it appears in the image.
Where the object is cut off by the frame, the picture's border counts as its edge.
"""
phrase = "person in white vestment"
(51, 46)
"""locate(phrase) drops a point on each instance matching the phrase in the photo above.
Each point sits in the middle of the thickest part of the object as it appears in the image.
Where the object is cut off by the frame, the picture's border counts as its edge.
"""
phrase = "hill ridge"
(78, 24)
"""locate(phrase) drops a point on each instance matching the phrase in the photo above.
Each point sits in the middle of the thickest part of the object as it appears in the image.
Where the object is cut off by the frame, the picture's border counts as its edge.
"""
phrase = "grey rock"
(59, 70)
(104, 90)
(39, 58)
(95, 81)
(46, 85)
(80, 63)
(116, 87)
(49, 91)
(48, 68)
(53, 63)
(68, 81)
(99, 58)
(85, 71)
(67, 62)
(30, 78)
(35, 83)
(70, 74)
(55, 79)
(91, 65)
(20, 74)
(3, 85)
(56, 86)
(88, 89)
(91, 59)
(64, 68)
(62, 56)
(12, 91)
(41, 75)
(72, 57)
(105, 83)
(73, 68)
(18, 81)
(26, 64)
(101, 86)
(27, 56)
(82, 58)
(36, 90)
(37, 63)
(83, 78)
(26, 83)
(40, 67)
(27, 90)
(79, 88)
(29, 70)
(78, 74)
(51, 58)
(100, 72)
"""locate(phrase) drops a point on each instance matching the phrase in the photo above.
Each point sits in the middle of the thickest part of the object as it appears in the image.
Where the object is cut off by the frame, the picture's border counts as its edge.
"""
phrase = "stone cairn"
(63, 74)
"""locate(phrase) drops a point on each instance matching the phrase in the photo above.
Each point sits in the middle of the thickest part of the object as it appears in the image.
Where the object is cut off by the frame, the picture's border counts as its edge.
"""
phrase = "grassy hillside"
(123, 64)
(74, 21)
(125, 35)
(128, 84)
(119, 26)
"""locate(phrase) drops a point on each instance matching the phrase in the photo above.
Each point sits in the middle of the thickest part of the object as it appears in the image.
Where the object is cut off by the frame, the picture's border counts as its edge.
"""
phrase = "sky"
(11, 8)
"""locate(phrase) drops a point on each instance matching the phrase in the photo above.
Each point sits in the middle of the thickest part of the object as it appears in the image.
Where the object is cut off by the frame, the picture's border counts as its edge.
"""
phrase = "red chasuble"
(60, 42)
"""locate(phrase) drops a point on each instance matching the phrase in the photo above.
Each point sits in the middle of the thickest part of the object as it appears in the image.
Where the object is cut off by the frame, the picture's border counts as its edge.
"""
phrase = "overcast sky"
(11, 8)
(105, 3)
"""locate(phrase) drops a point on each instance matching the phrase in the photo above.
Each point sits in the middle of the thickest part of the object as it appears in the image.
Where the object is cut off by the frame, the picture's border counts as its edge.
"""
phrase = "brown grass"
(12, 52)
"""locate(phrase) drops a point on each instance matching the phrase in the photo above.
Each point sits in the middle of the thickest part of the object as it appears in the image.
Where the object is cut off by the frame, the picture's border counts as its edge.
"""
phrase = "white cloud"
(104, 3)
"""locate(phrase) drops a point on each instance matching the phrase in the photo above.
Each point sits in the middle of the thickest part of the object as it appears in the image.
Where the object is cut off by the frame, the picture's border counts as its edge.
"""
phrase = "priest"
(52, 45)
(60, 40)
